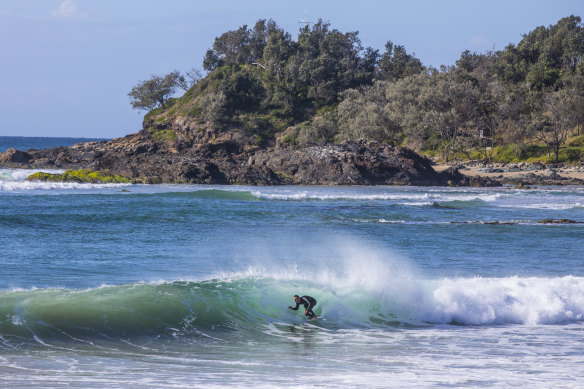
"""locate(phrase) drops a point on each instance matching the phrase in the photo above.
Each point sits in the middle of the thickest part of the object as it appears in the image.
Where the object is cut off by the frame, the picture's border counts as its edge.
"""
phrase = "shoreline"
(520, 173)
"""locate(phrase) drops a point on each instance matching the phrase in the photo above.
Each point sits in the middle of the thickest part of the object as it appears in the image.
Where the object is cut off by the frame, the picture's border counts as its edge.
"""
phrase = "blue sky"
(67, 65)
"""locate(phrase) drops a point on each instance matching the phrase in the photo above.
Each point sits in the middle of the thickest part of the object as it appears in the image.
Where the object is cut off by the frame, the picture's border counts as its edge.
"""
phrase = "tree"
(189, 79)
(544, 56)
(362, 114)
(155, 92)
(449, 108)
(405, 109)
(476, 68)
(241, 46)
(327, 62)
(276, 53)
(557, 121)
(211, 61)
(574, 88)
(396, 63)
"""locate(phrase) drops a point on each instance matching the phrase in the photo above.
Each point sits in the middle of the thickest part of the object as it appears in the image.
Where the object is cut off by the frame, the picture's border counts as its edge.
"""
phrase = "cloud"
(480, 40)
(70, 9)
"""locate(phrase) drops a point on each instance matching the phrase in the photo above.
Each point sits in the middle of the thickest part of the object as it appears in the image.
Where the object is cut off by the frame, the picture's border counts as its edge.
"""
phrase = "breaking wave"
(250, 301)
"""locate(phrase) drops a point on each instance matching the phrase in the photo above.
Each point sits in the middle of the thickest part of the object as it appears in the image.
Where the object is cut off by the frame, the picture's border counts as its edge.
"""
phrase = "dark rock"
(512, 169)
(535, 166)
(490, 170)
(454, 178)
(14, 156)
(522, 186)
(552, 174)
(559, 221)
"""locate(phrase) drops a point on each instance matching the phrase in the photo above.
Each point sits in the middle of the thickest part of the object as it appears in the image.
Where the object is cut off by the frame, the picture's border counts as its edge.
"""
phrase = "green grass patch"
(290, 139)
(576, 141)
(157, 111)
(163, 135)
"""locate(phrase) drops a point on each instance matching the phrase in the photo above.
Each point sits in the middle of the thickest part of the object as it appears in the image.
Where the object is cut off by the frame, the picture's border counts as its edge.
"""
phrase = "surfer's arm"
(294, 309)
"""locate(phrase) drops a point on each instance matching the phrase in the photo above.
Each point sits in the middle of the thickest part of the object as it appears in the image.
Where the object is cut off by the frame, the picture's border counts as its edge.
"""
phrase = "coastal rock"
(491, 170)
(552, 174)
(454, 178)
(224, 160)
(558, 221)
(536, 166)
(14, 156)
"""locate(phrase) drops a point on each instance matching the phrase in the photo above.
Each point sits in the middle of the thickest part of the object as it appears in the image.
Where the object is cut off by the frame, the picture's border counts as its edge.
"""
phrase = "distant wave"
(315, 196)
(412, 198)
(249, 303)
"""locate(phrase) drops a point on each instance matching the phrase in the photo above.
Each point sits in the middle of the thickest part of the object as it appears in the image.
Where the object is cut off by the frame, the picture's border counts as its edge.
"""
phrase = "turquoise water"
(184, 286)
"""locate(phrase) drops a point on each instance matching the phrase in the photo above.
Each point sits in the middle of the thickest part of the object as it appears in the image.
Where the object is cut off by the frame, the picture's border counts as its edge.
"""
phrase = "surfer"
(308, 302)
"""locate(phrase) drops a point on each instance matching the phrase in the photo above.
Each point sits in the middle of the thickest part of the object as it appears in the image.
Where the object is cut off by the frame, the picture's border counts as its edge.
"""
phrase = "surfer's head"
(296, 298)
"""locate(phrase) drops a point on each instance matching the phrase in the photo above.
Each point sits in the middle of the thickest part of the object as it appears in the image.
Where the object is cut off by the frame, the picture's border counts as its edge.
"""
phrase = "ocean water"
(26, 142)
(187, 286)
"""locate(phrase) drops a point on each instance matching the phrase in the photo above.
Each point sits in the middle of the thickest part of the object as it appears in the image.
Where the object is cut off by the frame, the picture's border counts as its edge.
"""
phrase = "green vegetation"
(572, 152)
(163, 135)
(81, 176)
(160, 110)
(525, 102)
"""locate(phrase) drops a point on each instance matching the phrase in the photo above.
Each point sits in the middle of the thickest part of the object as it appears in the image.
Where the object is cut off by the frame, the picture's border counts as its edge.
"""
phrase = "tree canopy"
(155, 91)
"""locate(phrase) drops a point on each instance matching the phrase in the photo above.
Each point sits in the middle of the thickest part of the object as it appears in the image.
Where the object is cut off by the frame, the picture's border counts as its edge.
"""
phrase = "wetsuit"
(308, 302)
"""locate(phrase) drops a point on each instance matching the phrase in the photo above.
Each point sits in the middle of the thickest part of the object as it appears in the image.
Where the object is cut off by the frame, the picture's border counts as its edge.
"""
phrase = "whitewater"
(187, 286)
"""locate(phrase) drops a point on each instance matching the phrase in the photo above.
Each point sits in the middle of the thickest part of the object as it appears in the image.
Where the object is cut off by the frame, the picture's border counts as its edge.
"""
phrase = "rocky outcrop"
(14, 156)
(223, 160)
